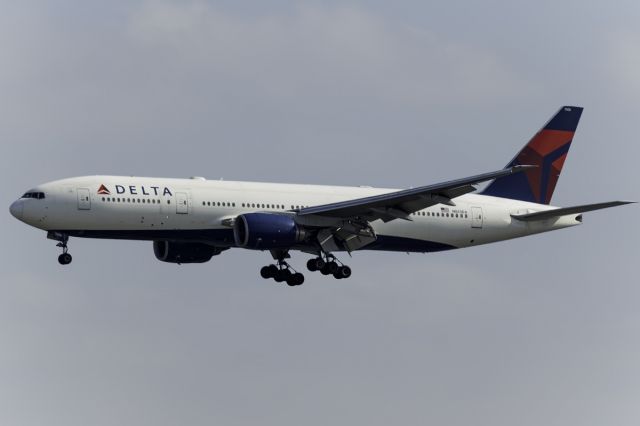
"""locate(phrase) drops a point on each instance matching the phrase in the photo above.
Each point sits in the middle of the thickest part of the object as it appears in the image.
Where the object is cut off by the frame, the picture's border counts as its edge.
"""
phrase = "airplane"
(192, 220)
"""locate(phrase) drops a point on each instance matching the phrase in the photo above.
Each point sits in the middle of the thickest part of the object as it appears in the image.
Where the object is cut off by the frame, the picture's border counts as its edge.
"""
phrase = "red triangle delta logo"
(103, 190)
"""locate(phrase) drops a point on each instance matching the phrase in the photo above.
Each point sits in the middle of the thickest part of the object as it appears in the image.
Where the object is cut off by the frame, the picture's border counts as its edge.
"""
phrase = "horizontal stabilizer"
(550, 214)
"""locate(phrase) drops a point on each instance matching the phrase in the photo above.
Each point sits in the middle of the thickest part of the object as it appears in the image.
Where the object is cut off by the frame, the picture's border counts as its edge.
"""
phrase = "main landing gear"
(282, 272)
(329, 266)
(326, 263)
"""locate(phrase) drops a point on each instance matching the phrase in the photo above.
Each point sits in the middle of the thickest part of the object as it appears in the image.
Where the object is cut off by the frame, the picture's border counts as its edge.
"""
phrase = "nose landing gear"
(65, 258)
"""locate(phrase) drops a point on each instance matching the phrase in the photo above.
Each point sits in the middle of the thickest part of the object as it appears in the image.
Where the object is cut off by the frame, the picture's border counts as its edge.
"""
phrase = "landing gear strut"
(65, 258)
(329, 265)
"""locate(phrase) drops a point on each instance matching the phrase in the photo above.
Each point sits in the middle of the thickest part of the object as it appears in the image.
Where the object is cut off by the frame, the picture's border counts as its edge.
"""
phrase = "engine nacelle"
(173, 252)
(266, 231)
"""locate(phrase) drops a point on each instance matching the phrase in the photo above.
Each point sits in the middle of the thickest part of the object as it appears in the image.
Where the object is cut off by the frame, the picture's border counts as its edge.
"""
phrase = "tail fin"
(548, 150)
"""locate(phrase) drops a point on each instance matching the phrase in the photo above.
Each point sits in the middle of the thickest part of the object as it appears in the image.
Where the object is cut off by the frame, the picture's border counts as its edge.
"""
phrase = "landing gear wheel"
(282, 275)
(329, 268)
(315, 264)
(295, 279)
(273, 270)
(268, 271)
(282, 271)
(265, 272)
(342, 272)
(64, 259)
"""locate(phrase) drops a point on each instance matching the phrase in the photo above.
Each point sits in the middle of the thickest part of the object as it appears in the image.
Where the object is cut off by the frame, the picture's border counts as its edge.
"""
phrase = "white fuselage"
(201, 210)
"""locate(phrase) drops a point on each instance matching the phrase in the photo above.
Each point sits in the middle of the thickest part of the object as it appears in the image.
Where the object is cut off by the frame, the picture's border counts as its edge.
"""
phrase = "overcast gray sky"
(543, 330)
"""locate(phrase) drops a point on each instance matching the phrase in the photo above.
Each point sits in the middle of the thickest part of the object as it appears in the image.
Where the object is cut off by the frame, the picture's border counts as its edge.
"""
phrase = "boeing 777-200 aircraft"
(192, 220)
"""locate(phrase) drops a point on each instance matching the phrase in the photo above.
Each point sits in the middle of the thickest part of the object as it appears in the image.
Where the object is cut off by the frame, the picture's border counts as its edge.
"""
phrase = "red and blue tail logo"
(104, 190)
(548, 150)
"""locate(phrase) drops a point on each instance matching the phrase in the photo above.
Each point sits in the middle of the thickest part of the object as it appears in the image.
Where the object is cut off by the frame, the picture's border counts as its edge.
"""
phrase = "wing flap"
(554, 213)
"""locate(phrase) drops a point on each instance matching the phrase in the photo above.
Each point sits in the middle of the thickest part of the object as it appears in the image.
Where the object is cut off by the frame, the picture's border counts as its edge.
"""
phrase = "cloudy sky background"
(544, 330)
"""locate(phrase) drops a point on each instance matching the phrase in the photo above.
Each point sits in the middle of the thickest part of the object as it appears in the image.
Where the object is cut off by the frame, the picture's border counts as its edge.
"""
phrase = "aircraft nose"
(16, 209)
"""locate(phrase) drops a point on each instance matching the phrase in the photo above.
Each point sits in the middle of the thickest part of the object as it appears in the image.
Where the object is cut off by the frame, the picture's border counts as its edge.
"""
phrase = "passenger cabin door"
(182, 203)
(476, 217)
(84, 199)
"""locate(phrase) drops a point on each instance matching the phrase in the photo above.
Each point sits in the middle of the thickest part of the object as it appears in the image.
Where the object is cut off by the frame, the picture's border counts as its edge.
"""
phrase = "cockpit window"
(36, 195)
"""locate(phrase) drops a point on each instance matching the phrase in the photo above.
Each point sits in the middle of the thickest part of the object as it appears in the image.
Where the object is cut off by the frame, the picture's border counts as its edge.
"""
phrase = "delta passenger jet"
(192, 220)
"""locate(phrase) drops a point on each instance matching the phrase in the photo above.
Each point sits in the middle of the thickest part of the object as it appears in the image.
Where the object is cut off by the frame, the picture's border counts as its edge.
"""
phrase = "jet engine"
(265, 231)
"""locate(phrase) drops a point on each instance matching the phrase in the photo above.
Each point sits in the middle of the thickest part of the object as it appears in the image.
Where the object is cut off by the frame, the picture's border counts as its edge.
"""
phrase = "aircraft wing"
(400, 204)
(554, 213)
